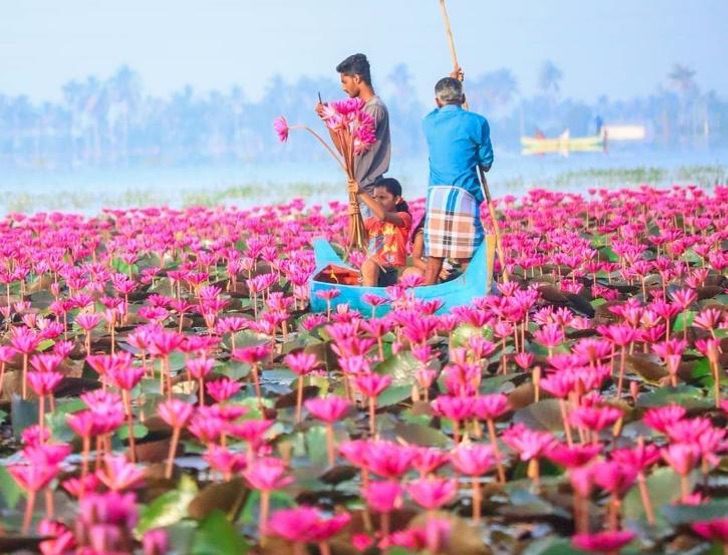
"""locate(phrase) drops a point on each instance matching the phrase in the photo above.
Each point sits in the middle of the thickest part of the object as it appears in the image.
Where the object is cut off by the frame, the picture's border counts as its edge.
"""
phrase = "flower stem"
(496, 451)
(172, 451)
(264, 510)
(28, 515)
(565, 421)
(323, 143)
(645, 495)
(299, 399)
(372, 415)
(477, 499)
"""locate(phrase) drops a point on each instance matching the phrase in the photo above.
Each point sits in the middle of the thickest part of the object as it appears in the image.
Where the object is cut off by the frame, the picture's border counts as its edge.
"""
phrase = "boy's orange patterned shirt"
(388, 242)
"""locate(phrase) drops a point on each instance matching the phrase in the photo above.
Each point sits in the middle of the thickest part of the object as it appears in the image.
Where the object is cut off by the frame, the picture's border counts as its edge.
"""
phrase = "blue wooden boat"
(476, 281)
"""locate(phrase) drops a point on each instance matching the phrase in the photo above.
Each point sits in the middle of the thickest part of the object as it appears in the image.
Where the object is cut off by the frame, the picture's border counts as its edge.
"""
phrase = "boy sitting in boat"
(388, 229)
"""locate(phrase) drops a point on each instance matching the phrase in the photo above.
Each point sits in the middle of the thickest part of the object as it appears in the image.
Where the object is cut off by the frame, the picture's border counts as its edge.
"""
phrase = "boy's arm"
(374, 206)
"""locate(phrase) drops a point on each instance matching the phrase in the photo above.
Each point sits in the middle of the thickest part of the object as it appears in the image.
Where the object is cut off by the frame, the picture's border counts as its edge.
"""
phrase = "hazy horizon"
(620, 49)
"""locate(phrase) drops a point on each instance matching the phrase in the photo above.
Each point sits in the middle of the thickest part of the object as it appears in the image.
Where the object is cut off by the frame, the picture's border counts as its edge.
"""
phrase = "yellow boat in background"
(563, 144)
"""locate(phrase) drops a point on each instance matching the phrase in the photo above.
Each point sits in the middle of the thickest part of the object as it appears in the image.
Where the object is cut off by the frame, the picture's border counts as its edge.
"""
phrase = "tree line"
(113, 122)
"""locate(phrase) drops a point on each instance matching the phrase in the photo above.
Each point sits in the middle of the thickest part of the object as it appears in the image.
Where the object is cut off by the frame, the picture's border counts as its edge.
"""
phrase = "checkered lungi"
(452, 223)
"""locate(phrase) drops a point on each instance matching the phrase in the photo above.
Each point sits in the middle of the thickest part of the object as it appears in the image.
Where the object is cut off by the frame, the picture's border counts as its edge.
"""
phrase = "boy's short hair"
(356, 64)
(449, 91)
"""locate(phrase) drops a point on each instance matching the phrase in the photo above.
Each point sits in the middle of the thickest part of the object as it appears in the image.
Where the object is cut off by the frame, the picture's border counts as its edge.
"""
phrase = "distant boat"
(625, 132)
(476, 281)
(563, 144)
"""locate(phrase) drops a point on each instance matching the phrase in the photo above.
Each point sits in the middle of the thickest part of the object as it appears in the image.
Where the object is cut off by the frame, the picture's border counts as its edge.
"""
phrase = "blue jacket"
(458, 142)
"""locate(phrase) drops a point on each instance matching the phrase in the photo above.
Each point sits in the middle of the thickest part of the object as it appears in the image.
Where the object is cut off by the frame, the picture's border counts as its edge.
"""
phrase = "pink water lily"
(616, 297)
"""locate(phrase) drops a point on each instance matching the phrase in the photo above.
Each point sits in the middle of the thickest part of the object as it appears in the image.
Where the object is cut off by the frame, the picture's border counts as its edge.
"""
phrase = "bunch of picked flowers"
(353, 133)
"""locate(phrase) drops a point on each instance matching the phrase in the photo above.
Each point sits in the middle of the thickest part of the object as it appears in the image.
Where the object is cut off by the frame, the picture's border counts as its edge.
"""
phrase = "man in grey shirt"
(356, 82)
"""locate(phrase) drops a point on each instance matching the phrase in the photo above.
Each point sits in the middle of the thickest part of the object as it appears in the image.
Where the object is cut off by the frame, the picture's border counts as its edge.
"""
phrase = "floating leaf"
(646, 366)
(544, 415)
(393, 395)
(168, 508)
(216, 535)
(23, 413)
(495, 384)
(686, 395)
(687, 514)
(419, 434)
(9, 489)
(401, 367)
(684, 320)
(553, 546)
(338, 474)
(663, 486)
(462, 334)
(139, 430)
(227, 497)
(703, 375)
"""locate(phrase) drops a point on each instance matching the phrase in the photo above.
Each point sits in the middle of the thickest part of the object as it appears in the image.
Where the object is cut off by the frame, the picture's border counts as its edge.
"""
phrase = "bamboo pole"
(483, 180)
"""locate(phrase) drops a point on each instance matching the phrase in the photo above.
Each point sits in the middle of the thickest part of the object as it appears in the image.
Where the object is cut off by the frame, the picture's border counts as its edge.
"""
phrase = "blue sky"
(618, 47)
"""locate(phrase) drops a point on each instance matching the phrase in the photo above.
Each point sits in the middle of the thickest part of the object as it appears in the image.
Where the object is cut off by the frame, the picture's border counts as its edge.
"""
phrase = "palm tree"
(124, 99)
(682, 78)
(493, 90)
(549, 78)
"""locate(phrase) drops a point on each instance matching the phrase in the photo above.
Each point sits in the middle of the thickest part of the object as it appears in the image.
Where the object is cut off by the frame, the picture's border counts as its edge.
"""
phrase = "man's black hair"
(356, 64)
(394, 188)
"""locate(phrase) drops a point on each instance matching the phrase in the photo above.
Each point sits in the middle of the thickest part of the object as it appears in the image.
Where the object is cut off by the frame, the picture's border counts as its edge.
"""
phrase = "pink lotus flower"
(117, 474)
(387, 459)
(432, 493)
(328, 409)
(306, 524)
(222, 389)
(574, 456)
(714, 530)
(490, 407)
(44, 383)
(281, 128)
(614, 476)
(662, 418)
(427, 460)
(603, 542)
(473, 459)
(383, 497)
(225, 461)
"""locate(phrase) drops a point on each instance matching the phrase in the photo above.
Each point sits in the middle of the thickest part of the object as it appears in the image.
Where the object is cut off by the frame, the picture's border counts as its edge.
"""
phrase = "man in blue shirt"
(458, 143)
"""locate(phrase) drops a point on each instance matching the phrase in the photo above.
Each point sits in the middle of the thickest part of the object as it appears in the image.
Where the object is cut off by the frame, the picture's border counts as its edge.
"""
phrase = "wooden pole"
(483, 180)
(450, 40)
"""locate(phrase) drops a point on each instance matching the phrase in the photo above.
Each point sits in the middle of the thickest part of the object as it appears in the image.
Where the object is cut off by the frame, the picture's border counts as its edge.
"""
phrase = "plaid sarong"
(452, 223)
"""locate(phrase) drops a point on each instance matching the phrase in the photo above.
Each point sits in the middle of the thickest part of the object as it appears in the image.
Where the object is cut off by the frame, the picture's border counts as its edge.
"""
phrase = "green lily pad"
(663, 486)
(686, 395)
(227, 497)
(684, 320)
(462, 334)
(139, 430)
(401, 367)
(544, 415)
(168, 508)
(553, 546)
(394, 395)
(687, 514)
(215, 534)
(9, 489)
(419, 434)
